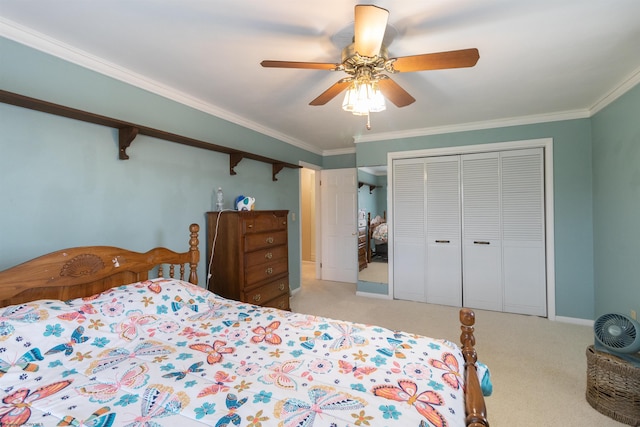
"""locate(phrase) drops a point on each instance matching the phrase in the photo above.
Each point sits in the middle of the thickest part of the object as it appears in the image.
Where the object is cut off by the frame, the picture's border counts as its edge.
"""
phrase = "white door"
(444, 275)
(523, 232)
(339, 201)
(409, 244)
(482, 243)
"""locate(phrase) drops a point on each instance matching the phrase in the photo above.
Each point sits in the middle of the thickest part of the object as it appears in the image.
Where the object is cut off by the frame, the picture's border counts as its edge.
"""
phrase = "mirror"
(372, 235)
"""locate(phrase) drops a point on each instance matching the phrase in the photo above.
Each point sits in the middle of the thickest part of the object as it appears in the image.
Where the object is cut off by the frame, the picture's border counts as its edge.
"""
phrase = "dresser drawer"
(263, 294)
(262, 272)
(264, 240)
(263, 256)
(265, 222)
(282, 302)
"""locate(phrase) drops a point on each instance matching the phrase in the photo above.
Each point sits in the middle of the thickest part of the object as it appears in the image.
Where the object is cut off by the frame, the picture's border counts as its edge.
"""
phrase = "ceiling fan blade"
(332, 92)
(370, 25)
(394, 93)
(437, 61)
(292, 64)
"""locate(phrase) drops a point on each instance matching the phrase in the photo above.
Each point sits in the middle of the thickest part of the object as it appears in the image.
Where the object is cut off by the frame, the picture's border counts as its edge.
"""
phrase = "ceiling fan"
(366, 59)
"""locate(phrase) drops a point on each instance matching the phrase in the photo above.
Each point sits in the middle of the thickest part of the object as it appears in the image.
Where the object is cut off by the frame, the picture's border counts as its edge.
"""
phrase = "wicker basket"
(613, 387)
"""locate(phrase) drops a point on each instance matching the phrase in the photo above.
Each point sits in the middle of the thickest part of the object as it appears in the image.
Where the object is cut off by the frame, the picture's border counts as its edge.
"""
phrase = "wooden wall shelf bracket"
(127, 132)
(126, 135)
(276, 168)
(234, 159)
(371, 186)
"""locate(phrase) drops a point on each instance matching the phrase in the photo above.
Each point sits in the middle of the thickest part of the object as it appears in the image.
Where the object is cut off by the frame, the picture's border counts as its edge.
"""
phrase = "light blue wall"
(62, 185)
(616, 171)
(340, 161)
(572, 197)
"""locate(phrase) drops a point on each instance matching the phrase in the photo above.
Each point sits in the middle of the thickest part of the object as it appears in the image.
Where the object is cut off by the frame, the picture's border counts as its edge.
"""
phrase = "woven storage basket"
(613, 387)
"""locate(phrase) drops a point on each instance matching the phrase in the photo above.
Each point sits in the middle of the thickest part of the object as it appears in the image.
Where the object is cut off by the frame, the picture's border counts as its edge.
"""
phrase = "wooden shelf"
(127, 132)
(371, 186)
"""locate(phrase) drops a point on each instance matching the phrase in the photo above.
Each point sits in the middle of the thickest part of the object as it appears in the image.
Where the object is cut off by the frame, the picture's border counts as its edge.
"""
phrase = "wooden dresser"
(362, 248)
(250, 260)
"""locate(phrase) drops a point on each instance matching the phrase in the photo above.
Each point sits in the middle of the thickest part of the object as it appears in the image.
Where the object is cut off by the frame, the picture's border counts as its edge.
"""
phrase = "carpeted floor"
(538, 367)
(376, 272)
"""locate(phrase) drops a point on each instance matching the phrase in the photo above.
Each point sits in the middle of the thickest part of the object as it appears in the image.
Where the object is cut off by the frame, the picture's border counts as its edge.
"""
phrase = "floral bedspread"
(380, 234)
(167, 353)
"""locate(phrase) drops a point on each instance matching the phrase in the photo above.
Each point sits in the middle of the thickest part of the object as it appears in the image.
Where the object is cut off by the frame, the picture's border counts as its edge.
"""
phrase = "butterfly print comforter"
(168, 353)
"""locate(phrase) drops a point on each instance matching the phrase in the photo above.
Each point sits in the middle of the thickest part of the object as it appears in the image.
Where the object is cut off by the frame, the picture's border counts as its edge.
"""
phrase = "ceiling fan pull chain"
(368, 121)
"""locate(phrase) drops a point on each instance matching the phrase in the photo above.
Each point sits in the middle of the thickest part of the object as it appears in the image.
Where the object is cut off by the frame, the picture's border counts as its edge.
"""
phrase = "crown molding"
(339, 151)
(487, 124)
(51, 46)
(616, 92)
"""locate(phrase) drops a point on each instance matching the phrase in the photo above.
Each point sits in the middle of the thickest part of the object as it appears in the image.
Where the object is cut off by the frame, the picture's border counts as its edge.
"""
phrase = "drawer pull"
(281, 305)
(281, 286)
(250, 226)
(481, 242)
(257, 297)
(443, 241)
(268, 255)
(269, 240)
(269, 270)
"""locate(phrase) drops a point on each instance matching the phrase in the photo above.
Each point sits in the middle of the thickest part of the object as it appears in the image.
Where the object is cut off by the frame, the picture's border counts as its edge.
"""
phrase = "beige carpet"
(538, 367)
(376, 272)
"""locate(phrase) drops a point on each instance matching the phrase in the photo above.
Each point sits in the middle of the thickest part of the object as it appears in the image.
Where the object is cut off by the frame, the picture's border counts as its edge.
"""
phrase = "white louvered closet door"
(523, 232)
(409, 245)
(443, 275)
(481, 249)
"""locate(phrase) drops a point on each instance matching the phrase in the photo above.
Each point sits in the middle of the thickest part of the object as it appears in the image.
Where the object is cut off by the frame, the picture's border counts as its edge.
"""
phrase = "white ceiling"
(540, 60)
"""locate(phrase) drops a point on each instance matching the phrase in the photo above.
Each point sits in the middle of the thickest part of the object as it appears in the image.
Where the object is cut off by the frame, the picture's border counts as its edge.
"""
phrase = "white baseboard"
(574, 321)
(372, 295)
(292, 292)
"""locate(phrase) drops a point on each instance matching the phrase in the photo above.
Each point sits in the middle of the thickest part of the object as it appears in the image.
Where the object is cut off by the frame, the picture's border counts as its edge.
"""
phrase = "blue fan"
(619, 335)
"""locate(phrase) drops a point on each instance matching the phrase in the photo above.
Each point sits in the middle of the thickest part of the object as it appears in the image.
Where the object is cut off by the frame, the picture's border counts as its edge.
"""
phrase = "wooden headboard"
(88, 270)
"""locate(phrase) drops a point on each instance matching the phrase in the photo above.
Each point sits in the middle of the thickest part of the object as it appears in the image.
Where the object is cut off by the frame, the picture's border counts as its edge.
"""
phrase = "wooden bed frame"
(85, 271)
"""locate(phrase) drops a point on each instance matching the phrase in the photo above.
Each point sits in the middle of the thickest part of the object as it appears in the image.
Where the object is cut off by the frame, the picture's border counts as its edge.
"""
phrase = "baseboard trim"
(292, 292)
(372, 295)
(574, 321)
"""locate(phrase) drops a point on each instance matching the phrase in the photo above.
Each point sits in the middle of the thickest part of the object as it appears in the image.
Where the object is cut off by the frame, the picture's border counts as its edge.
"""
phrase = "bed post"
(474, 401)
(194, 253)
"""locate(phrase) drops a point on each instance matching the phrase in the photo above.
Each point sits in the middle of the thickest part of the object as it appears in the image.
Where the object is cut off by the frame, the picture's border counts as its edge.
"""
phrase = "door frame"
(318, 224)
(546, 143)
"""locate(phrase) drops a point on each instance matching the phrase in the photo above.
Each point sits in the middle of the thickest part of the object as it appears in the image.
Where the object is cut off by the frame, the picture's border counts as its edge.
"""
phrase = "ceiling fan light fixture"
(363, 96)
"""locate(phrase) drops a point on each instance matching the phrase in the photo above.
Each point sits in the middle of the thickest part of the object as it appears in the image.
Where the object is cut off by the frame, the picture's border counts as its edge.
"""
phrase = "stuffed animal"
(245, 203)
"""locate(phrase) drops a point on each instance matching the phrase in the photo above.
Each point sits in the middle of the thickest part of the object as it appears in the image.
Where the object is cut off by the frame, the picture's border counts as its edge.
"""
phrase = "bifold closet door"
(443, 229)
(481, 225)
(503, 231)
(523, 232)
(409, 244)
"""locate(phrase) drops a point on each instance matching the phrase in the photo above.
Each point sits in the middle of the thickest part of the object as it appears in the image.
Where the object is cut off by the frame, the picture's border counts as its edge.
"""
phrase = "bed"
(88, 338)
(378, 236)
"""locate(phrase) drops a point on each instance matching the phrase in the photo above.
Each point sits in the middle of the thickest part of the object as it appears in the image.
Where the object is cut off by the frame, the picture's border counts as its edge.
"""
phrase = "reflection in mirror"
(372, 226)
